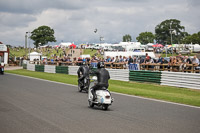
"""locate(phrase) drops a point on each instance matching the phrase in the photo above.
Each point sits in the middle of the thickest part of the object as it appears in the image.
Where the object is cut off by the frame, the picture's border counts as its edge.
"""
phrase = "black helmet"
(83, 63)
(100, 64)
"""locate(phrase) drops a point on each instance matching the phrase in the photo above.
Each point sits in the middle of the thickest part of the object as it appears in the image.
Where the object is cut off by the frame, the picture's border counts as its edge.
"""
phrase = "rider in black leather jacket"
(83, 72)
(102, 77)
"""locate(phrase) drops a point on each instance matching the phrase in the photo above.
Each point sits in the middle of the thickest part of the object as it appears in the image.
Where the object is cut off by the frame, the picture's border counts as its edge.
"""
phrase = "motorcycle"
(2, 68)
(103, 99)
(85, 86)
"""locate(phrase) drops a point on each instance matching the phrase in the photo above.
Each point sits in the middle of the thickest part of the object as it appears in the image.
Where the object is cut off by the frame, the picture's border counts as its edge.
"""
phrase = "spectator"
(84, 60)
(130, 60)
(113, 59)
(151, 61)
(159, 59)
(187, 61)
(147, 59)
(163, 62)
(88, 60)
(195, 61)
(121, 59)
(180, 63)
(125, 59)
(134, 60)
(117, 59)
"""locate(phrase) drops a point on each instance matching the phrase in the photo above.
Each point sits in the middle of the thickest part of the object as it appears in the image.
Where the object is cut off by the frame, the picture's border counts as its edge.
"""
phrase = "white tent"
(35, 55)
(65, 44)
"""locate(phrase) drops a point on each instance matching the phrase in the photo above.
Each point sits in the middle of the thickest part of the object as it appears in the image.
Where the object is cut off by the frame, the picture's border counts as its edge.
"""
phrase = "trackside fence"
(177, 79)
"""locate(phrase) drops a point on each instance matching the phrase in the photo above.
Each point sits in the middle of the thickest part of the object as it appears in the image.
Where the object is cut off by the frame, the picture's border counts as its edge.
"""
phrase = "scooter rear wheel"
(91, 104)
(105, 107)
(79, 88)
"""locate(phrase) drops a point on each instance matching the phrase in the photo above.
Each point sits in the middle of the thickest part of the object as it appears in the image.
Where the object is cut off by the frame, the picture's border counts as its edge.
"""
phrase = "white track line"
(114, 92)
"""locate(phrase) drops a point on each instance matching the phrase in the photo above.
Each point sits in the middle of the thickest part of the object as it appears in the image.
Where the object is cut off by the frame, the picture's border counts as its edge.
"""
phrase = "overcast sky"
(75, 20)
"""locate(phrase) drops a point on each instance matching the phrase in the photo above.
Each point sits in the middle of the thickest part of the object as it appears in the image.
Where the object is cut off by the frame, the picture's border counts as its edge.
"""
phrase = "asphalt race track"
(30, 105)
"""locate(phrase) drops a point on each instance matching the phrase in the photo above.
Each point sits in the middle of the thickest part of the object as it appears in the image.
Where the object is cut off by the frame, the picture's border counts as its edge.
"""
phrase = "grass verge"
(166, 93)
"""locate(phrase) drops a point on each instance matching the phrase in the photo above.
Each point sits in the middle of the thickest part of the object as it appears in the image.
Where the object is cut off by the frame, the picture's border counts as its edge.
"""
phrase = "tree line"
(167, 32)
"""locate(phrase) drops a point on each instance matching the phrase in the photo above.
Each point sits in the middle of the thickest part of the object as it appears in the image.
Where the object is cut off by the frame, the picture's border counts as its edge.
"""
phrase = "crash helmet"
(100, 64)
(84, 63)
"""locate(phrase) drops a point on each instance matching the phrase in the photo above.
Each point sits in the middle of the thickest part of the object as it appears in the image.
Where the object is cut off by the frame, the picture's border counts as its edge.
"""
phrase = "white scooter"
(103, 99)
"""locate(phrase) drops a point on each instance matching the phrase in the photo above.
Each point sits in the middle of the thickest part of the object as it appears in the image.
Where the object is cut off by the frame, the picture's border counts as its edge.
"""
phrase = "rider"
(102, 78)
(83, 72)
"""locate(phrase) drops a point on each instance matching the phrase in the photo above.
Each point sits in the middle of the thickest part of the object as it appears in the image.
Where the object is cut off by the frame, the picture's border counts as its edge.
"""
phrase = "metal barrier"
(31, 67)
(73, 70)
(180, 79)
(177, 79)
(39, 68)
(145, 76)
(62, 69)
(50, 69)
(119, 74)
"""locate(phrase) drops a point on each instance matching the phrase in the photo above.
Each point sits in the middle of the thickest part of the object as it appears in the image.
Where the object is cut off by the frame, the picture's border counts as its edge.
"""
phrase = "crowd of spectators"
(178, 62)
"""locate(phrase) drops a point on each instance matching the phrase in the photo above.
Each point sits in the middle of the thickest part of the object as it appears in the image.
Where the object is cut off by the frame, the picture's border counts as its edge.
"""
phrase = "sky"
(76, 20)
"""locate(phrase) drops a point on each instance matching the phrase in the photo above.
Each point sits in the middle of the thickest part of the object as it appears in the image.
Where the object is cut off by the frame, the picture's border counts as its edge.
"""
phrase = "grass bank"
(172, 94)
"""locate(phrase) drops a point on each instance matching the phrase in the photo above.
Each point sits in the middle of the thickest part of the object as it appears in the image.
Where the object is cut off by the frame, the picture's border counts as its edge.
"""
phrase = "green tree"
(194, 39)
(145, 37)
(127, 38)
(165, 29)
(42, 35)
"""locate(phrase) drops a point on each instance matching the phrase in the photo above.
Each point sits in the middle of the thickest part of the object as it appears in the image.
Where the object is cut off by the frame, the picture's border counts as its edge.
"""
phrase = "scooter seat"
(103, 88)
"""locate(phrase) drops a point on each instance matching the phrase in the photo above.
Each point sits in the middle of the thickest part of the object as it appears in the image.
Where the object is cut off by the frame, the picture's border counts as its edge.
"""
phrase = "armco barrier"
(177, 79)
(31, 67)
(181, 79)
(119, 74)
(115, 74)
(24, 66)
(39, 68)
(145, 76)
(50, 69)
(73, 70)
(62, 69)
